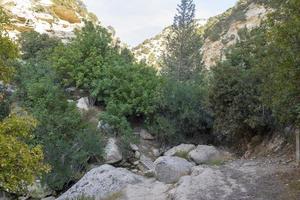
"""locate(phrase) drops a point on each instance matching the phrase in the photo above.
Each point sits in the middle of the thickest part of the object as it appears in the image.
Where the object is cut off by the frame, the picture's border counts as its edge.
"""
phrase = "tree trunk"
(297, 146)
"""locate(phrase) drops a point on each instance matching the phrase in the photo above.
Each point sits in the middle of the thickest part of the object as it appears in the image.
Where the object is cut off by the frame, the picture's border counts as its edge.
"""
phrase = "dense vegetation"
(252, 92)
(20, 162)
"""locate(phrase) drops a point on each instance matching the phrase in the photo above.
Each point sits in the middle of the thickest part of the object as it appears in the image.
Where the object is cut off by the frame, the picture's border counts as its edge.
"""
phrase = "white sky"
(137, 20)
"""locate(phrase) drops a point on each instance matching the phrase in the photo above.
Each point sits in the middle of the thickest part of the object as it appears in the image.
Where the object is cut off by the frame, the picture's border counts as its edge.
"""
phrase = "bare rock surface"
(147, 190)
(101, 182)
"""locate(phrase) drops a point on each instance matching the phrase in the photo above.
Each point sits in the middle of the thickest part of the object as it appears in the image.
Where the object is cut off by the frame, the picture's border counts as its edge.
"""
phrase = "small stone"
(134, 147)
(155, 152)
(137, 155)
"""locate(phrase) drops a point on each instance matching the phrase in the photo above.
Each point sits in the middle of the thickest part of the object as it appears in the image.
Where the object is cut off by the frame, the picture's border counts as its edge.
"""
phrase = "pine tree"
(183, 58)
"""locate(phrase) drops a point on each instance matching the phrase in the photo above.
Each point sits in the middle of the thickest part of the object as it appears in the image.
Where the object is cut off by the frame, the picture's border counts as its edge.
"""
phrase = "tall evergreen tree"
(183, 56)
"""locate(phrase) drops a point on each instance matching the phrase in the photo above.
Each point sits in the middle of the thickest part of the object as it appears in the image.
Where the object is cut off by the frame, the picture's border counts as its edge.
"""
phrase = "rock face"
(204, 154)
(180, 149)
(101, 183)
(170, 169)
(112, 152)
(46, 16)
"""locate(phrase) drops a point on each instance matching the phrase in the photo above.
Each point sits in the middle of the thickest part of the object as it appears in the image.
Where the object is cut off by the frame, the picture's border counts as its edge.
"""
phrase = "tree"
(183, 59)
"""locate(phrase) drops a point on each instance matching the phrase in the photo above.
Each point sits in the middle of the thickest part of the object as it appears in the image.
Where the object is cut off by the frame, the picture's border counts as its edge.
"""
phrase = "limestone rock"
(170, 169)
(180, 149)
(112, 152)
(204, 154)
(101, 183)
(83, 103)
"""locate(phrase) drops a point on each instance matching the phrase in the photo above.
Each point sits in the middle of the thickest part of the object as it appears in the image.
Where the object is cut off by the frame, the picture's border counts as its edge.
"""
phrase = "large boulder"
(180, 150)
(169, 169)
(112, 153)
(204, 154)
(102, 182)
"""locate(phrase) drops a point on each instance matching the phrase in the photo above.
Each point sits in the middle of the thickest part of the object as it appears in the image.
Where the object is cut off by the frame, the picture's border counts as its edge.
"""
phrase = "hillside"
(218, 33)
(54, 17)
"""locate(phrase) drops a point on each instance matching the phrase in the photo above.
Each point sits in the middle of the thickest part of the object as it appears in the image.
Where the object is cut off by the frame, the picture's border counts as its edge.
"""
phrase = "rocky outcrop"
(169, 169)
(112, 153)
(46, 16)
(204, 154)
(102, 182)
(180, 150)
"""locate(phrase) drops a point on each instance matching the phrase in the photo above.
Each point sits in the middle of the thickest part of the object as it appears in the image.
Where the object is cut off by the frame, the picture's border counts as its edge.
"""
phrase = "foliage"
(68, 142)
(235, 94)
(183, 59)
(34, 44)
(20, 162)
(181, 111)
(81, 61)
(93, 62)
(281, 87)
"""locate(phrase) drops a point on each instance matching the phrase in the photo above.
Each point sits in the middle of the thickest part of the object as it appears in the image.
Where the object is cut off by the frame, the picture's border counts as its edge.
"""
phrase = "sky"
(137, 20)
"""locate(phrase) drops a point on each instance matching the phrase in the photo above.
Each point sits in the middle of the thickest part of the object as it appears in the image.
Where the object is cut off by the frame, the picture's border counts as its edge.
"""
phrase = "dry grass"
(66, 14)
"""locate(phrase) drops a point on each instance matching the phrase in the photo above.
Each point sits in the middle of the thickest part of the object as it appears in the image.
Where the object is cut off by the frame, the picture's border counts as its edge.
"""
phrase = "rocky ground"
(240, 179)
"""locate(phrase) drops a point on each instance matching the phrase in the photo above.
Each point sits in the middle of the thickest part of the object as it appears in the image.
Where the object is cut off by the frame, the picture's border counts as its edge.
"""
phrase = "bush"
(235, 93)
(181, 111)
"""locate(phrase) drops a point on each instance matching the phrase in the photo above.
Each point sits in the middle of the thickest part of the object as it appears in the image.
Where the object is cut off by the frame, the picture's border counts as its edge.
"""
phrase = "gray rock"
(137, 155)
(170, 169)
(134, 147)
(180, 149)
(204, 154)
(146, 162)
(102, 182)
(204, 183)
(104, 127)
(83, 103)
(112, 153)
(155, 152)
(149, 189)
(146, 135)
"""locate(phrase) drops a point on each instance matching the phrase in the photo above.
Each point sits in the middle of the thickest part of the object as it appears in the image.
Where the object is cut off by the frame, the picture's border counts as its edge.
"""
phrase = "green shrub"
(68, 142)
(181, 111)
